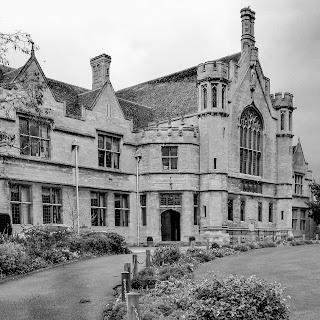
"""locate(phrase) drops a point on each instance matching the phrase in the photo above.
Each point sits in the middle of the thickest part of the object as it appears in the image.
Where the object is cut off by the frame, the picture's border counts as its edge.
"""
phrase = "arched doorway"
(170, 225)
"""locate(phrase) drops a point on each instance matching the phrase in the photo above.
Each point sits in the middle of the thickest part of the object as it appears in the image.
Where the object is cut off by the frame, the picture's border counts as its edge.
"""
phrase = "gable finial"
(32, 48)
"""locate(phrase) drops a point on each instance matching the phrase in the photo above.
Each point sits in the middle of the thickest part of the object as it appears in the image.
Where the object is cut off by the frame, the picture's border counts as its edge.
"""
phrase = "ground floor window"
(242, 210)
(302, 220)
(170, 199)
(121, 204)
(195, 208)
(143, 204)
(259, 211)
(51, 205)
(294, 219)
(230, 209)
(20, 203)
(270, 212)
(98, 209)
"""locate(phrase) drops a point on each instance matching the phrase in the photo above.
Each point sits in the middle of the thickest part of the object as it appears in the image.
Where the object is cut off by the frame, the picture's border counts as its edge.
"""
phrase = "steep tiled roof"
(141, 115)
(9, 73)
(86, 98)
(169, 96)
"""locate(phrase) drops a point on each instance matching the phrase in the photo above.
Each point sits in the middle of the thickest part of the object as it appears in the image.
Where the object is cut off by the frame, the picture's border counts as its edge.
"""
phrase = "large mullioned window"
(250, 142)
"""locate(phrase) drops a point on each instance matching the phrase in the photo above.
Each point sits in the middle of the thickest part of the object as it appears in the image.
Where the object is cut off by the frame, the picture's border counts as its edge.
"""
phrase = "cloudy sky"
(148, 39)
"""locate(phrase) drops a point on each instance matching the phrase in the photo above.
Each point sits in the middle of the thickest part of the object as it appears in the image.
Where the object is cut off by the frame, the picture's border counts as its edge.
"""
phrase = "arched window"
(214, 95)
(204, 97)
(250, 142)
(282, 115)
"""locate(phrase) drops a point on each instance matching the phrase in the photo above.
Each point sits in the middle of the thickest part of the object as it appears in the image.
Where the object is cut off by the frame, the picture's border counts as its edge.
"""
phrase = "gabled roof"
(169, 96)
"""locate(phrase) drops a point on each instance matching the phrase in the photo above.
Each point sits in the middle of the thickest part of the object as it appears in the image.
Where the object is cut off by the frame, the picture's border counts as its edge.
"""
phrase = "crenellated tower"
(283, 104)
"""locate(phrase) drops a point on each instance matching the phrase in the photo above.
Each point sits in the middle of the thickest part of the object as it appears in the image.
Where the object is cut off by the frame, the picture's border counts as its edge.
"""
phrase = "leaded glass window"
(250, 142)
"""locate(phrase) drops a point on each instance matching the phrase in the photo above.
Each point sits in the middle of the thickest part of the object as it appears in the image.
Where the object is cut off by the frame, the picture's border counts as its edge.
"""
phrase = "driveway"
(55, 293)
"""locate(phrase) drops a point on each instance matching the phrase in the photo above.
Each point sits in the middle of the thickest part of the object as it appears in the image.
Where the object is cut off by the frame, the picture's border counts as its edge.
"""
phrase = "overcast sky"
(148, 39)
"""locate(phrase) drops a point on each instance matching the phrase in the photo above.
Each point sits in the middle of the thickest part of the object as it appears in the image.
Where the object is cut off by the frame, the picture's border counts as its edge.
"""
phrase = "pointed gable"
(298, 161)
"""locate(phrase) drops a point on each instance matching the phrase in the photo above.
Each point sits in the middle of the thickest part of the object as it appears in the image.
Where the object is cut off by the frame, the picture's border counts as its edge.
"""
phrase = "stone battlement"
(213, 70)
(282, 101)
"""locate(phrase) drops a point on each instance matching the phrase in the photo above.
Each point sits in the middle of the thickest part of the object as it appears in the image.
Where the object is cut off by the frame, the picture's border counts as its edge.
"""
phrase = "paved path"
(55, 294)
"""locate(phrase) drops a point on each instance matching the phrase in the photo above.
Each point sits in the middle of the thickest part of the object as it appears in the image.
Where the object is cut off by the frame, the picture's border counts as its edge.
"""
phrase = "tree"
(314, 204)
(24, 93)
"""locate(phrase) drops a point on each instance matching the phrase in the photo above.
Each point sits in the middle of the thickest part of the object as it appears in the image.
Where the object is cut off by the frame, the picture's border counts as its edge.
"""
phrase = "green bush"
(270, 244)
(241, 247)
(175, 271)
(308, 241)
(201, 255)
(166, 254)
(145, 279)
(215, 245)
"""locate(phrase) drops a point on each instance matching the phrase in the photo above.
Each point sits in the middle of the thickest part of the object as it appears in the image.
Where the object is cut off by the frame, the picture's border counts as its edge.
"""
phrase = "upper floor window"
(121, 204)
(282, 115)
(214, 95)
(298, 184)
(169, 158)
(34, 138)
(20, 202)
(250, 142)
(51, 205)
(223, 97)
(290, 121)
(98, 209)
(170, 199)
(108, 151)
(204, 96)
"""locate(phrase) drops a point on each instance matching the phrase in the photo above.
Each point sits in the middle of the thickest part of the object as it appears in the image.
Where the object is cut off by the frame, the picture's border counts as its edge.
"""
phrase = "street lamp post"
(138, 157)
(75, 146)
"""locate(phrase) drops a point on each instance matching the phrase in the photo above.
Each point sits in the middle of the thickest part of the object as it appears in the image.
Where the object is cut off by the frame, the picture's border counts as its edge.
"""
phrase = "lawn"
(296, 268)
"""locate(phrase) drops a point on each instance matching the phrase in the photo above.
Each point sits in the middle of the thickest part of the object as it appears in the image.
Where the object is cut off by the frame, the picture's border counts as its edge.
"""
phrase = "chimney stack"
(247, 19)
(100, 70)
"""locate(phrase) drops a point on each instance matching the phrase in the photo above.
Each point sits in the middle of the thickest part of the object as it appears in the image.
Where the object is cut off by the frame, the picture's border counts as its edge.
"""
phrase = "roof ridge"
(13, 69)
(177, 72)
(87, 90)
(138, 104)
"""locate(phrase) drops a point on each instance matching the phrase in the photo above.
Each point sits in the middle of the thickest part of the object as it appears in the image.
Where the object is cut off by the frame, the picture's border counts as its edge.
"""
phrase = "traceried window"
(230, 209)
(169, 158)
(250, 142)
(98, 209)
(20, 204)
(204, 96)
(170, 200)
(298, 183)
(195, 208)
(143, 204)
(214, 95)
(121, 204)
(34, 138)
(51, 205)
(108, 151)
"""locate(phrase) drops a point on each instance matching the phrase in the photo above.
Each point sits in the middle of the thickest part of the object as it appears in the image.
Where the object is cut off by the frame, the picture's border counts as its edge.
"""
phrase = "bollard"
(208, 244)
(148, 260)
(317, 236)
(134, 266)
(304, 237)
(125, 284)
(133, 310)
(127, 267)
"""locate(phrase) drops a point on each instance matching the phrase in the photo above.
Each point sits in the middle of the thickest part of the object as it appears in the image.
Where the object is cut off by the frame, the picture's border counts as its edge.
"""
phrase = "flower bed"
(169, 291)
(37, 248)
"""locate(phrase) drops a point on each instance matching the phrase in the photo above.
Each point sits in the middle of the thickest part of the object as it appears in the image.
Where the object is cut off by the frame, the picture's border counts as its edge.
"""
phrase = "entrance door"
(170, 226)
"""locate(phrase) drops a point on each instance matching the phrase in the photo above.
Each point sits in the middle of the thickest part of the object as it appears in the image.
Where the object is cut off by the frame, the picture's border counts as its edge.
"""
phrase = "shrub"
(215, 245)
(175, 271)
(253, 245)
(145, 279)
(149, 239)
(270, 244)
(163, 255)
(200, 255)
(241, 247)
(290, 238)
(308, 241)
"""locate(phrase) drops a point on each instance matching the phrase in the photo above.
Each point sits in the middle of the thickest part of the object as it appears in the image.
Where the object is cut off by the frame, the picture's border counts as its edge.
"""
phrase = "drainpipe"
(138, 157)
(75, 146)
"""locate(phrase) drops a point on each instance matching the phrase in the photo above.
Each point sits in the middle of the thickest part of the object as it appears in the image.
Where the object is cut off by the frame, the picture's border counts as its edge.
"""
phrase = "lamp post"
(138, 157)
(75, 146)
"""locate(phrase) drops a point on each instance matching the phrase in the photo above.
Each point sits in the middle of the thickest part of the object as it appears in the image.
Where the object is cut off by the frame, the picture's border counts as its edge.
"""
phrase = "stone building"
(204, 152)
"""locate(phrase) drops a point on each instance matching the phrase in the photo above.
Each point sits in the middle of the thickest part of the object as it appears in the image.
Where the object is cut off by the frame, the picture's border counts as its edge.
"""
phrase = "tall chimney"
(247, 19)
(100, 70)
